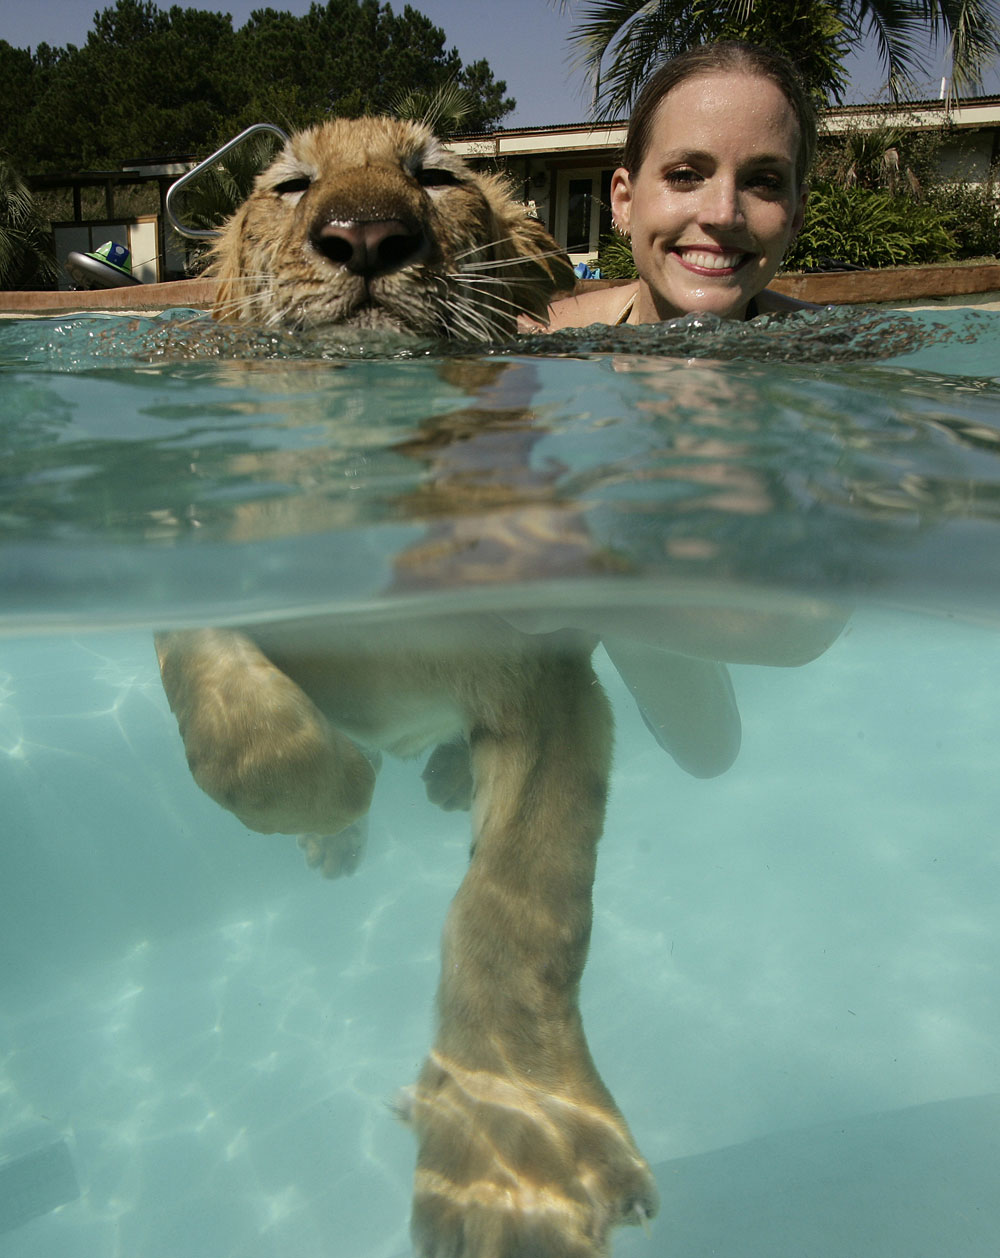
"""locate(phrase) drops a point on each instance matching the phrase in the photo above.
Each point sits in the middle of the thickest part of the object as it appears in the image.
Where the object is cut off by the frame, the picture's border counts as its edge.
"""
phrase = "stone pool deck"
(132, 299)
(896, 285)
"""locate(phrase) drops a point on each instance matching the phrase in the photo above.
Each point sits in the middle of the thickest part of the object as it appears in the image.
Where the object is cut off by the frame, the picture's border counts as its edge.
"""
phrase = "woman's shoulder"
(612, 303)
(596, 305)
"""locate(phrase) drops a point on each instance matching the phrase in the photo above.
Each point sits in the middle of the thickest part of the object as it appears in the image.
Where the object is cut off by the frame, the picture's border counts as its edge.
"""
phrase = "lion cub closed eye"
(373, 223)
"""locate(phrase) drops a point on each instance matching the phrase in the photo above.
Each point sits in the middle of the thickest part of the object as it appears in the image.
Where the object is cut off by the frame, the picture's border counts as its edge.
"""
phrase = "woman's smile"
(705, 260)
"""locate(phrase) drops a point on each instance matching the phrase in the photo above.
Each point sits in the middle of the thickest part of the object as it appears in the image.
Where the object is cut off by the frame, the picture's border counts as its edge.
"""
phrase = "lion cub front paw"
(506, 1169)
(336, 855)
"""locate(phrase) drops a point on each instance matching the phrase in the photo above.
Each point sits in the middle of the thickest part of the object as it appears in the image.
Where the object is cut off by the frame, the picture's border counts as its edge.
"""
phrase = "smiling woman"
(711, 190)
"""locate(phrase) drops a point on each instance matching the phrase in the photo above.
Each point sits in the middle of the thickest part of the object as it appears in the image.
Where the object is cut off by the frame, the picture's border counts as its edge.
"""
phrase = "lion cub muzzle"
(371, 223)
(368, 248)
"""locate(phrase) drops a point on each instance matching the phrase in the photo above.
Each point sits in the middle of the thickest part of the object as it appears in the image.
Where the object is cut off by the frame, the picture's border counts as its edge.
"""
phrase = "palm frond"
(897, 29)
(632, 25)
(443, 108)
(972, 31)
(27, 254)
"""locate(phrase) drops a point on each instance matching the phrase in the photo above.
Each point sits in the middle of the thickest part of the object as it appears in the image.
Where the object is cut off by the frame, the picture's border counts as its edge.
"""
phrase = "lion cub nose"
(370, 248)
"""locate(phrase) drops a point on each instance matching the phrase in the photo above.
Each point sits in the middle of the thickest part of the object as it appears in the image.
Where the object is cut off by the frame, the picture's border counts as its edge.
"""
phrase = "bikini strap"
(626, 311)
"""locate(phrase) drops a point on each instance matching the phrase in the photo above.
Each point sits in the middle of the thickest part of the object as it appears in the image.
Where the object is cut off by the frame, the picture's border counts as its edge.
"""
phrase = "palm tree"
(618, 42)
(444, 109)
(870, 158)
(27, 255)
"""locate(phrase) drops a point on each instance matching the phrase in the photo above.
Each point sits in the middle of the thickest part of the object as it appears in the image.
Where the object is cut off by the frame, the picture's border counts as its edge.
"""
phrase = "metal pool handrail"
(207, 233)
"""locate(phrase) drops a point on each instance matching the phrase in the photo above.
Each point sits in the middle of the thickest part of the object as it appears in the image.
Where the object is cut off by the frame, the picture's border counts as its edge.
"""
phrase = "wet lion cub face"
(372, 223)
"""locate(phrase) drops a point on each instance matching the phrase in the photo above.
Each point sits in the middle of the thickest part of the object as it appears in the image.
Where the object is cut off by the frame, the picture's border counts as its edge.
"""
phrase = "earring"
(622, 231)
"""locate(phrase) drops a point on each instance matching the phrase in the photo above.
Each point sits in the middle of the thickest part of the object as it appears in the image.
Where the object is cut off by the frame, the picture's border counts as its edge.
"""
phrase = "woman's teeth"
(711, 261)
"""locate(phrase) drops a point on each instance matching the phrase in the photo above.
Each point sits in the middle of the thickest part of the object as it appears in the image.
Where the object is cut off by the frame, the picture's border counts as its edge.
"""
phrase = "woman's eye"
(767, 183)
(436, 177)
(684, 176)
(297, 184)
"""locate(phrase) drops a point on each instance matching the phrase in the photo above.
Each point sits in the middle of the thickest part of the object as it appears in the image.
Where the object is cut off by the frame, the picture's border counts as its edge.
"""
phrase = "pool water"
(793, 986)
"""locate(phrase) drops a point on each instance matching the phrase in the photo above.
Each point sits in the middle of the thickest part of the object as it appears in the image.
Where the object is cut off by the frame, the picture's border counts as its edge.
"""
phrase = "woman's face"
(716, 201)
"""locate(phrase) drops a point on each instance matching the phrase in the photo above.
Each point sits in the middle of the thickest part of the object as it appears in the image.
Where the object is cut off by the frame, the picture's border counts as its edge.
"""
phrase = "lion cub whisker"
(481, 309)
(488, 264)
(470, 320)
(487, 287)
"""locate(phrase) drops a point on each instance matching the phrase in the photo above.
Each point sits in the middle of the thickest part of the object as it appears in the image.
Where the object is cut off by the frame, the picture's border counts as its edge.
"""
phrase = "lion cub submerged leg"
(521, 1148)
(258, 745)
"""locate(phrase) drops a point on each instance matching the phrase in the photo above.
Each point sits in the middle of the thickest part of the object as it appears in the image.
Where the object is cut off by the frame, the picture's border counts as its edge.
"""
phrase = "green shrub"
(869, 228)
(614, 257)
(907, 165)
(972, 215)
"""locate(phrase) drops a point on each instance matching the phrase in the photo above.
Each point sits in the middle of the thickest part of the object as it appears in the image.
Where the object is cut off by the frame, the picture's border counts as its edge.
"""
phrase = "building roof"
(581, 137)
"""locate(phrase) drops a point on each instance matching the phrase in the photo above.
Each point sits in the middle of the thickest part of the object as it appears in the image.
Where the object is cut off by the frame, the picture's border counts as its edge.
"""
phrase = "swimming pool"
(792, 989)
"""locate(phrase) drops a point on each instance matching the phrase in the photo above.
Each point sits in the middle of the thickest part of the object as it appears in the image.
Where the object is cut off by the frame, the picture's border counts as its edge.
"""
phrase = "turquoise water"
(792, 989)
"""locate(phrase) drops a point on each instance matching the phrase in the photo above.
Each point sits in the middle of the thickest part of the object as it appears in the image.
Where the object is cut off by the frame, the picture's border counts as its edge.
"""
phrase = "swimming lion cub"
(371, 223)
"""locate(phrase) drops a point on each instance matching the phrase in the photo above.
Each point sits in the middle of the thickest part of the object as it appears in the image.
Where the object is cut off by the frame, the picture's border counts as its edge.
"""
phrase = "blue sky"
(523, 40)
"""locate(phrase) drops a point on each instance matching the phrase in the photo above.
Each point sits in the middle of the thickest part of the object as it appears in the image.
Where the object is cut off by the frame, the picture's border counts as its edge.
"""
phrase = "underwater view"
(773, 546)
